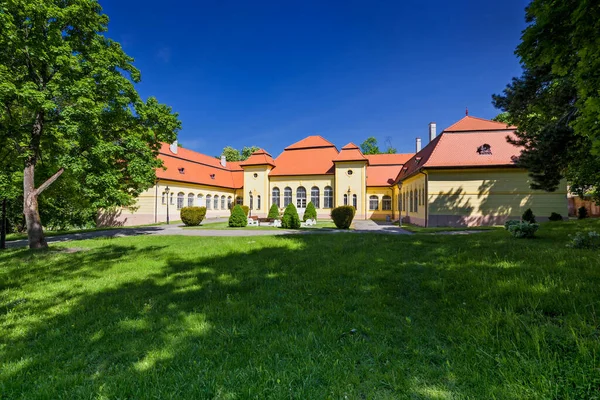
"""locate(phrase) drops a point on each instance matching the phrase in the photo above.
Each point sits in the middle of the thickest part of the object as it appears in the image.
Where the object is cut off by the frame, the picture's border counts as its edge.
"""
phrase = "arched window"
(201, 201)
(315, 193)
(190, 200)
(164, 198)
(373, 202)
(216, 202)
(222, 202)
(180, 197)
(301, 197)
(355, 201)
(258, 202)
(208, 201)
(410, 201)
(345, 199)
(328, 197)
(287, 196)
(386, 203)
(251, 202)
(239, 200)
(172, 194)
(229, 200)
(275, 199)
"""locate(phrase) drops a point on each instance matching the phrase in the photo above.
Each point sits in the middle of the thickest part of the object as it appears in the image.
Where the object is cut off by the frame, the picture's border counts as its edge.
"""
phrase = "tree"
(231, 154)
(273, 212)
(247, 152)
(556, 101)
(370, 146)
(502, 117)
(69, 106)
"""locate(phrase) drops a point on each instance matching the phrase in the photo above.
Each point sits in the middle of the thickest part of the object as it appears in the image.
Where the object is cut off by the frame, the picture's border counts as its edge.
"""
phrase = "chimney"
(432, 131)
(418, 145)
(223, 161)
(173, 147)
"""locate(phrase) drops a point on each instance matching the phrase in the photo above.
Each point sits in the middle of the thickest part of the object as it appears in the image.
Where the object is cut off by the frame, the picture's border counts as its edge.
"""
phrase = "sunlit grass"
(305, 316)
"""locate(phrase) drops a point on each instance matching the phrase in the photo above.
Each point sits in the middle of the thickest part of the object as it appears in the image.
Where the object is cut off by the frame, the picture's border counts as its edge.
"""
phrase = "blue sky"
(271, 73)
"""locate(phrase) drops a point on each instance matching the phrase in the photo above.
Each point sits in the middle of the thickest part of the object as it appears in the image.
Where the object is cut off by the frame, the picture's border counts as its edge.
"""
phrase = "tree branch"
(49, 182)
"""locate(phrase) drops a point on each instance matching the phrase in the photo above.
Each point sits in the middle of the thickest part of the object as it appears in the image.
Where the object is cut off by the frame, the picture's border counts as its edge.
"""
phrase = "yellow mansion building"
(464, 176)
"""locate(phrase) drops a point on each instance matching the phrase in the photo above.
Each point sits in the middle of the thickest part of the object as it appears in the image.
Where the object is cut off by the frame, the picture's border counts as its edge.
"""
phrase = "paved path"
(360, 227)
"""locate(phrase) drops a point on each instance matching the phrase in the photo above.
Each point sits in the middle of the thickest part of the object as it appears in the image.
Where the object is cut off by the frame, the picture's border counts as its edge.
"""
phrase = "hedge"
(342, 216)
(192, 216)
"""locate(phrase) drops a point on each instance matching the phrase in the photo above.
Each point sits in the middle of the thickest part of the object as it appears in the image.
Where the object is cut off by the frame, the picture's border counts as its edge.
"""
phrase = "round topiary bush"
(528, 216)
(238, 219)
(290, 219)
(310, 212)
(273, 212)
(192, 216)
(342, 216)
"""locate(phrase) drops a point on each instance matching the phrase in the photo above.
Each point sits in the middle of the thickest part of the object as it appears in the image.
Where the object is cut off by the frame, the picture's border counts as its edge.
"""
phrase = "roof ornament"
(467, 111)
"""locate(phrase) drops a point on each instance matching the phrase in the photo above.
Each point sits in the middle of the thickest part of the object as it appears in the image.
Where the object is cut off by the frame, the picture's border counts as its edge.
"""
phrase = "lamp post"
(167, 190)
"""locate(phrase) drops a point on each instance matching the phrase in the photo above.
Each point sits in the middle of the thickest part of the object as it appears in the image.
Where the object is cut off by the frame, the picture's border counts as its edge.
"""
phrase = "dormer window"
(417, 160)
(484, 149)
(182, 170)
(212, 176)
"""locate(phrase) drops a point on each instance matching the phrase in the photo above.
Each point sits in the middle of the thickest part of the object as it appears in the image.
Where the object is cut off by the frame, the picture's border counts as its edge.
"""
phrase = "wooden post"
(3, 225)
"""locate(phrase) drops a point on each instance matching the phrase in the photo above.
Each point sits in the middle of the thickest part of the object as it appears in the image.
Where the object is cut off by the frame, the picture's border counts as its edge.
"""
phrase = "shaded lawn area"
(305, 316)
(224, 225)
(436, 229)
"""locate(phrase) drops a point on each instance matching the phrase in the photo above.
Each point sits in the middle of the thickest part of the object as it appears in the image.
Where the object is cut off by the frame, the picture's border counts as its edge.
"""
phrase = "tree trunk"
(3, 226)
(35, 232)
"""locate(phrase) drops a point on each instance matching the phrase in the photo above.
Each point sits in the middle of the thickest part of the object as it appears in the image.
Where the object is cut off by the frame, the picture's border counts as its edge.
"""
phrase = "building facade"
(465, 176)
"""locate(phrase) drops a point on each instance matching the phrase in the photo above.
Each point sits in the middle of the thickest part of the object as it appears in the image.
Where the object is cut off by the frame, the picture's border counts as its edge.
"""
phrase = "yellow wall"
(307, 181)
(351, 184)
(258, 186)
(380, 213)
(415, 182)
(488, 196)
(150, 208)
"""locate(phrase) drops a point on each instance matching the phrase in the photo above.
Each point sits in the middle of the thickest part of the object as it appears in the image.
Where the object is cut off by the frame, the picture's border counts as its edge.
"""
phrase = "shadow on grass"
(352, 315)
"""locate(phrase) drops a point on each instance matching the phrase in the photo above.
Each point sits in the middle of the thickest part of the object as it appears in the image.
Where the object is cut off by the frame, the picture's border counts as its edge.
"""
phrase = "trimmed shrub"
(582, 240)
(523, 229)
(290, 219)
(555, 217)
(192, 216)
(511, 222)
(310, 212)
(238, 219)
(273, 212)
(342, 216)
(528, 216)
(246, 210)
(582, 213)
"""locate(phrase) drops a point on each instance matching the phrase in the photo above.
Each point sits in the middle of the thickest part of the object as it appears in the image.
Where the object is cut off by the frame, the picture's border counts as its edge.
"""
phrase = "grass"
(305, 316)
(420, 229)
(327, 224)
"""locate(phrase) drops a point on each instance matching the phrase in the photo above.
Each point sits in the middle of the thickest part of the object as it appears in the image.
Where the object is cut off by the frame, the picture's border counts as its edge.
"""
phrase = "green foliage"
(238, 219)
(342, 216)
(584, 240)
(555, 217)
(528, 216)
(290, 219)
(510, 223)
(370, 146)
(582, 212)
(246, 209)
(523, 229)
(273, 212)
(67, 92)
(310, 212)
(247, 152)
(502, 117)
(232, 154)
(556, 101)
(192, 216)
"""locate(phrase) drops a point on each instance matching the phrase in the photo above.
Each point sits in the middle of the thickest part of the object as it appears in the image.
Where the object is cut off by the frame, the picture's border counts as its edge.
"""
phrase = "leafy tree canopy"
(370, 146)
(556, 101)
(232, 154)
(68, 106)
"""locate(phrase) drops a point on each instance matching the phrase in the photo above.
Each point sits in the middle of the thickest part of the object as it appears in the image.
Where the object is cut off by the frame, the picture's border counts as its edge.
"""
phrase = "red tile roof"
(382, 175)
(311, 142)
(464, 149)
(350, 152)
(388, 159)
(259, 157)
(192, 167)
(469, 124)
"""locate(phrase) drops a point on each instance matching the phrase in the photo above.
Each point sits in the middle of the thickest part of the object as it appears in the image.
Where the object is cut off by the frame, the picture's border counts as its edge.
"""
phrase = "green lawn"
(420, 229)
(354, 316)
(225, 226)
